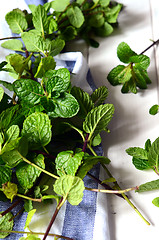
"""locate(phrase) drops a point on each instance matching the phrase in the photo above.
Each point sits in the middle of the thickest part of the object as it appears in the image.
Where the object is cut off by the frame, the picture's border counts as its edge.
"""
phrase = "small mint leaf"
(154, 109)
(124, 52)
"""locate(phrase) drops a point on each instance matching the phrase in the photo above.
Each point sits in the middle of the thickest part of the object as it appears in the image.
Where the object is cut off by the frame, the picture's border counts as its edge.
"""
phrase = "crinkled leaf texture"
(5, 174)
(98, 118)
(149, 186)
(71, 188)
(27, 174)
(99, 95)
(153, 154)
(5, 224)
(37, 130)
(68, 162)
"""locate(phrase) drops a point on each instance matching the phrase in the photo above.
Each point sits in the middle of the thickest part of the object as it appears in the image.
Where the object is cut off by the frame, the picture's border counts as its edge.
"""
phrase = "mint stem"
(53, 219)
(154, 43)
(11, 207)
(85, 143)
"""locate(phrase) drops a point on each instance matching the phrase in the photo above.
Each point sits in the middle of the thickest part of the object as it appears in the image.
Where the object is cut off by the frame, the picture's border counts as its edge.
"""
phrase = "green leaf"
(60, 5)
(28, 91)
(68, 33)
(12, 133)
(16, 21)
(53, 26)
(154, 109)
(10, 190)
(99, 95)
(96, 140)
(2, 65)
(140, 164)
(37, 130)
(45, 64)
(28, 205)
(27, 174)
(141, 61)
(19, 63)
(6, 224)
(148, 145)
(13, 44)
(14, 151)
(56, 47)
(66, 106)
(96, 20)
(84, 100)
(30, 237)
(124, 52)
(75, 16)
(153, 153)
(155, 201)
(33, 42)
(137, 152)
(149, 186)
(89, 163)
(5, 174)
(111, 14)
(40, 20)
(104, 30)
(104, 3)
(97, 119)
(67, 162)
(29, 218)
(71, 188)
(119, 74)
(1, 93)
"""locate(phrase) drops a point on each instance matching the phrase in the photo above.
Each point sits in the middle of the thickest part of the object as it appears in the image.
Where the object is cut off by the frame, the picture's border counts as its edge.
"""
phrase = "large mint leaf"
(28, 91)
(140, 164)
(6, 224)
(27, 174)
(97, 119)
(149, 186)
(60, 5)
(84, 100)
(124, 52)
(68, 162)
(71, 188)
(16, 21)
(141, 61)
(75, 16)
(99, 95)
(40, 20)
(56, 47)
(13, 44)
(37, 129)
(66, 106)
(119, 74)
(137, 152)
(33, 42)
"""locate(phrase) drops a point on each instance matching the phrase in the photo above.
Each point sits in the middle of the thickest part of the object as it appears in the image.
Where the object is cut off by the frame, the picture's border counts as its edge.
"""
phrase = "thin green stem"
(111, 191)
(39, 168)
(29, 198)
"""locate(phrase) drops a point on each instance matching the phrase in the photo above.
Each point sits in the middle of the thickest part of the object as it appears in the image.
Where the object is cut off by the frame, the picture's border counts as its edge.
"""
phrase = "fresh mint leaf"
(28, 91)
(56, 47)
(28, 205)
(124, 52)
(155, 201)
(89, 163)
(75, 16)
(111, 14)
(45, 64)
(141, 61)
(105, 30)
(13, 44)
(5, 174)
(29, 218)
(16, 21)
(67, 162)
(66, 106)
(137, 152)
(99, 95)
(7, 85)
(140, 164)
(10, 190)
(153, 153)
(37, 130)
(149, 186)
(68, 33)
(30, 237)
(97, 119)
(104, 3)
(40, 20)
(96, 20)
(84, 100)
(27, 174)
(154, 109)
(6, 224)
(96, 140)
(1, 93)
(12, 133)
(71, 188)
(60, 5)
(148, 145)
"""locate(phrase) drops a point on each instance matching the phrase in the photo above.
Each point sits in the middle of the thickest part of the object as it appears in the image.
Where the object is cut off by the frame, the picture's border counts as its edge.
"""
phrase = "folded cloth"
(88, 220)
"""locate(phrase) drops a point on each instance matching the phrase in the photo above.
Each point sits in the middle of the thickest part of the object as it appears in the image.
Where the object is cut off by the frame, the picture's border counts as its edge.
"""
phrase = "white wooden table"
(132, 124)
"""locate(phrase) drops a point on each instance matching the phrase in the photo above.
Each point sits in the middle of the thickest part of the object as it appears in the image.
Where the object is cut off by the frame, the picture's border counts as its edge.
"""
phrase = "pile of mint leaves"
(46, 125)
